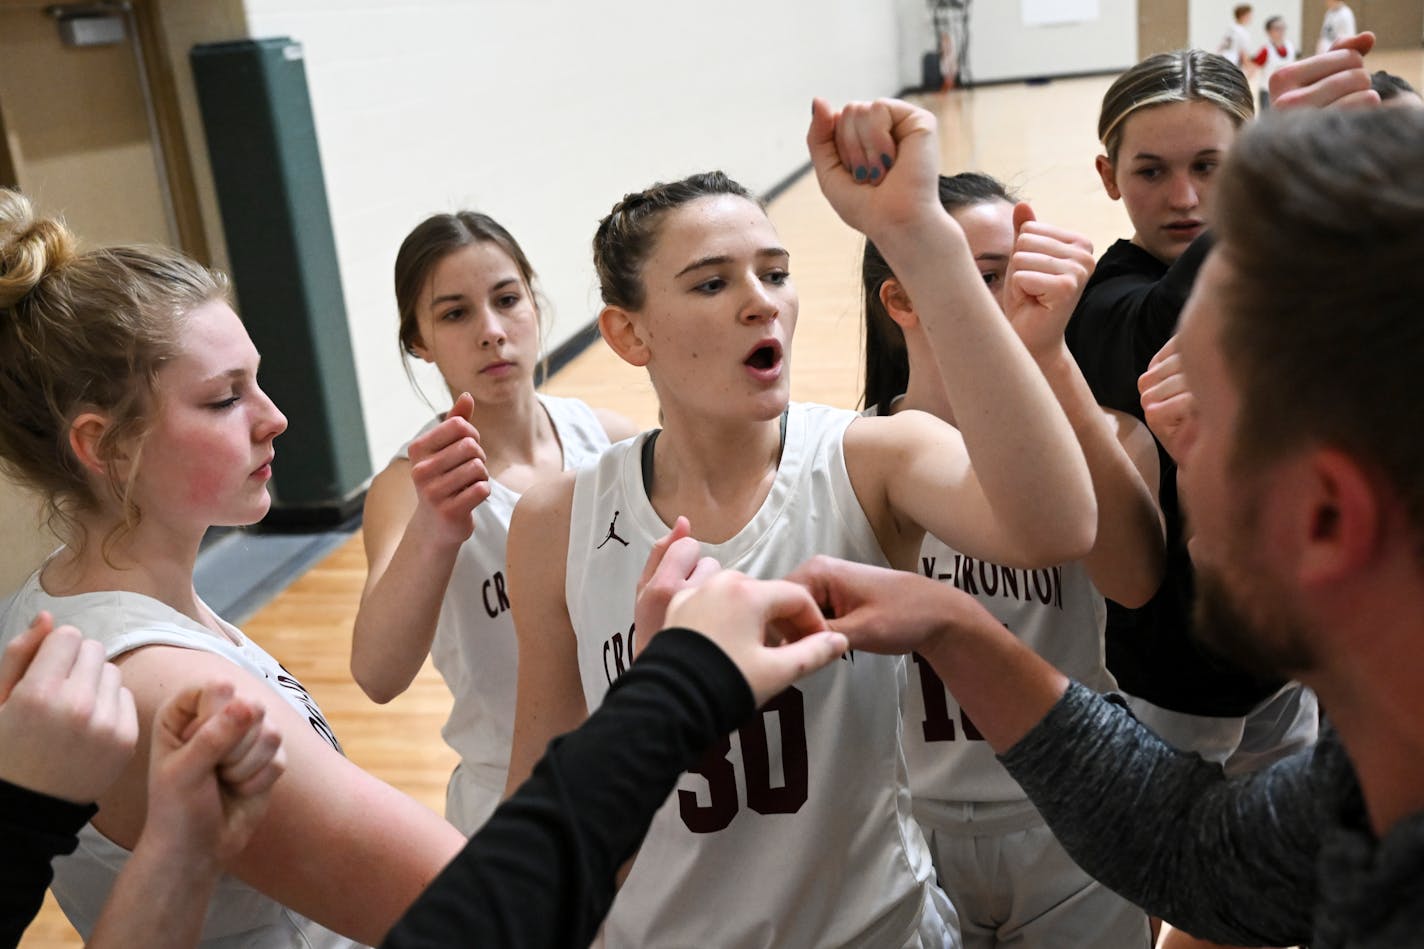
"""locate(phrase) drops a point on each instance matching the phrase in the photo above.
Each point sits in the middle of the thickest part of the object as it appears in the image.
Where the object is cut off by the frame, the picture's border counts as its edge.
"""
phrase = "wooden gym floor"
(1039, 139)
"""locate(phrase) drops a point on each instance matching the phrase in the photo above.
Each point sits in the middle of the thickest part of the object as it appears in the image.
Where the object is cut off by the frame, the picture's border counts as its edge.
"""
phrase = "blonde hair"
(1186, 75)
(82, 332)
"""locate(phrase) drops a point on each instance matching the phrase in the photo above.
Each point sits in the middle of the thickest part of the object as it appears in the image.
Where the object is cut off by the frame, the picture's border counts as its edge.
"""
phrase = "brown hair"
(887, 365)
(1187, 75)
(625, 238)
(80, 332)
(432, 240)
(1321, 218)
(1241, 10)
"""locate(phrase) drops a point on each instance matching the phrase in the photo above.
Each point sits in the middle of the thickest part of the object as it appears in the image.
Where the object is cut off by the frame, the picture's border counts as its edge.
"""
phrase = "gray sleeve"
(1229, 860)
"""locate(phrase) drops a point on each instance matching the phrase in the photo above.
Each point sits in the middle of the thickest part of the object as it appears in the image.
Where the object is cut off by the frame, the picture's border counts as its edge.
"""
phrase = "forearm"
(1230, 861)
(34, 829)
(395, 624)
(1022, 448)
(1129, 552)
(1002, 684)
(541, 872)
(159, 900)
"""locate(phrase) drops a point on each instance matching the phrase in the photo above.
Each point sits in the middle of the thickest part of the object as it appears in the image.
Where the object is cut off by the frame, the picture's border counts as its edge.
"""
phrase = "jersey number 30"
(721, 775)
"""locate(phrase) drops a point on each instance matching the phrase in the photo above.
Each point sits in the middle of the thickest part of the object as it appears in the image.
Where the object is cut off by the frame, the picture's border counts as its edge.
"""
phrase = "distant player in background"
(1339, 23)
(1236, 44)
(1277, 52)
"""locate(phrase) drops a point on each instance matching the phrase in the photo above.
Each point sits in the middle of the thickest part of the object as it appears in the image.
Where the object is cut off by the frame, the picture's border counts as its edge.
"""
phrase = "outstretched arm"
(418, 513)
(1045, 278)
(1228, 860)
(1024, 456)
(540, 872)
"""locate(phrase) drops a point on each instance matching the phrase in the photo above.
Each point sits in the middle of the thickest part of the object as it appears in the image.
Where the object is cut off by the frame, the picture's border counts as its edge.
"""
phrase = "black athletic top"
(1128, 311)
(541, 871)
(34, 829)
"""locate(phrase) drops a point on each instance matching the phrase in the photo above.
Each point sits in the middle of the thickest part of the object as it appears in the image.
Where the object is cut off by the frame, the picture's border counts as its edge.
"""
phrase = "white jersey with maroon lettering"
(1057, 612)
(795, 830)
(474, 647)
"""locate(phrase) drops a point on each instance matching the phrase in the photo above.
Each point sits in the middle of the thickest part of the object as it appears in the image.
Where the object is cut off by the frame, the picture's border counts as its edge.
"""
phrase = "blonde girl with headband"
(132, 407)
(1166, 126)
(796, 831)
(437, 517)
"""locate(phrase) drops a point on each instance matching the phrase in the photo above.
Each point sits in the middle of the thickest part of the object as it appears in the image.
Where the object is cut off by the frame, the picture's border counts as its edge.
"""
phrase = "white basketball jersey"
(1057, 612)
(475, 648)
(796, 829)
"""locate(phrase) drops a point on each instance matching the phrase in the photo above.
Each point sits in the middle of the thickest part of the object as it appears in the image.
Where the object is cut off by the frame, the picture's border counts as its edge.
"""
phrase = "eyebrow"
(1148, 156)
(455, 297)
(717, 259)
(992, 257)
(234, 373)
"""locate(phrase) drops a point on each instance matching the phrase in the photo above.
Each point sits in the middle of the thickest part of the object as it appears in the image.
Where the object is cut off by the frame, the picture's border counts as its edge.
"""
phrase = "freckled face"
(720, 310)
(207, 458)
(1166, 170)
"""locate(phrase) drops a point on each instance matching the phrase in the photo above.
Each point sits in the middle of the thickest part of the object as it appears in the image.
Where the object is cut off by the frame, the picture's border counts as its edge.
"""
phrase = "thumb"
(821, 139)
(463, 407)
(783, 665)
(1023, 213)
(178, 717)
(1361, 43)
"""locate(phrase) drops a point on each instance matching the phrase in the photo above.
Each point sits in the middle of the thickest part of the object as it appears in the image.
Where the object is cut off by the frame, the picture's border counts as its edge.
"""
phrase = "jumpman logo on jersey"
(613, 532)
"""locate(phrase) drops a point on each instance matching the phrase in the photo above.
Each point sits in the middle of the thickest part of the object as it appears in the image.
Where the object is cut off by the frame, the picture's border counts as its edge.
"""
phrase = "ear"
(85, 433)
(1108, 174)
(897, 303)
(420, 350)
(620, 330)
(1342, 521)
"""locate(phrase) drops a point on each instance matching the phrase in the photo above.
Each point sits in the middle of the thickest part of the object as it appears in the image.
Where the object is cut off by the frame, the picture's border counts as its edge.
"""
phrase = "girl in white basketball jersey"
(1008, 877)
(797, 831)
(132, 407)
(437, 516)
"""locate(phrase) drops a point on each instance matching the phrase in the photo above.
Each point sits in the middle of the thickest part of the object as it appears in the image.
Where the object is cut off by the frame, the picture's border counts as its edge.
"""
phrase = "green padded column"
(262, 145)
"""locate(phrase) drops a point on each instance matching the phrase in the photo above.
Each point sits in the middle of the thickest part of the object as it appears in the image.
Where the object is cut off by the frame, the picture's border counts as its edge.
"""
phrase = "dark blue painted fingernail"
(875, 174)
(860, 172)
(885, 160)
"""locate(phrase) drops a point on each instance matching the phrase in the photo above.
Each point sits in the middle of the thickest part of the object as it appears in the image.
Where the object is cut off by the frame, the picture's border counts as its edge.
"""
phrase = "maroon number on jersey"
(762, 797)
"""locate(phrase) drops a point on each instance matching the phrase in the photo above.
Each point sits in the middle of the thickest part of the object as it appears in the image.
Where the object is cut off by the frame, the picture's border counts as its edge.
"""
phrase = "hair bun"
(31, 247)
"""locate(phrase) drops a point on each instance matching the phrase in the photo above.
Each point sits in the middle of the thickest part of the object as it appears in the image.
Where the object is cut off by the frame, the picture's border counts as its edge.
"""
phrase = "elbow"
(376, 689)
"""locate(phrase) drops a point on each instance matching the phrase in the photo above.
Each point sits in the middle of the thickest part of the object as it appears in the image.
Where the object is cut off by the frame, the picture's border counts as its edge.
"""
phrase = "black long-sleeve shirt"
(541, 871)
(34, 829)
(1128, 311)
(1280, 857)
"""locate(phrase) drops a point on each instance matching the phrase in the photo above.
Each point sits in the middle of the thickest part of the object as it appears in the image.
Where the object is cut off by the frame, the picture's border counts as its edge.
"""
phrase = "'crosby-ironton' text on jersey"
(796, 829)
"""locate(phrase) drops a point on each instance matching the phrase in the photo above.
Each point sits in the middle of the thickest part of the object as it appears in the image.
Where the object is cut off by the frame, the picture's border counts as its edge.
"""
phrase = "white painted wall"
(1001, 47)
(1208, 21)
(543, 113)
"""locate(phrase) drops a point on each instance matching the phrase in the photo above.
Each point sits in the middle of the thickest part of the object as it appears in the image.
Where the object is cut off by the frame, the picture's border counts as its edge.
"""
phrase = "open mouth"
(765, 357)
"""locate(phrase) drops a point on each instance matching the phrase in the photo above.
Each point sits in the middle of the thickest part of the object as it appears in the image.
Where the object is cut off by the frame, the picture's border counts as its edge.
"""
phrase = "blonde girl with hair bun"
(132, 407)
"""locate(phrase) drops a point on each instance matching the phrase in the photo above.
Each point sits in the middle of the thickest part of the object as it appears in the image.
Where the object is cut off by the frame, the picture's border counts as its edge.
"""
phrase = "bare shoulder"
(547, 502)
(903, 431)
(616, 427)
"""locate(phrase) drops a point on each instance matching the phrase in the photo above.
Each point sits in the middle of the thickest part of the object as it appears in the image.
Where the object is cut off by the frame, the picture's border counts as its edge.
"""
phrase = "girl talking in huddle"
(798, 830)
